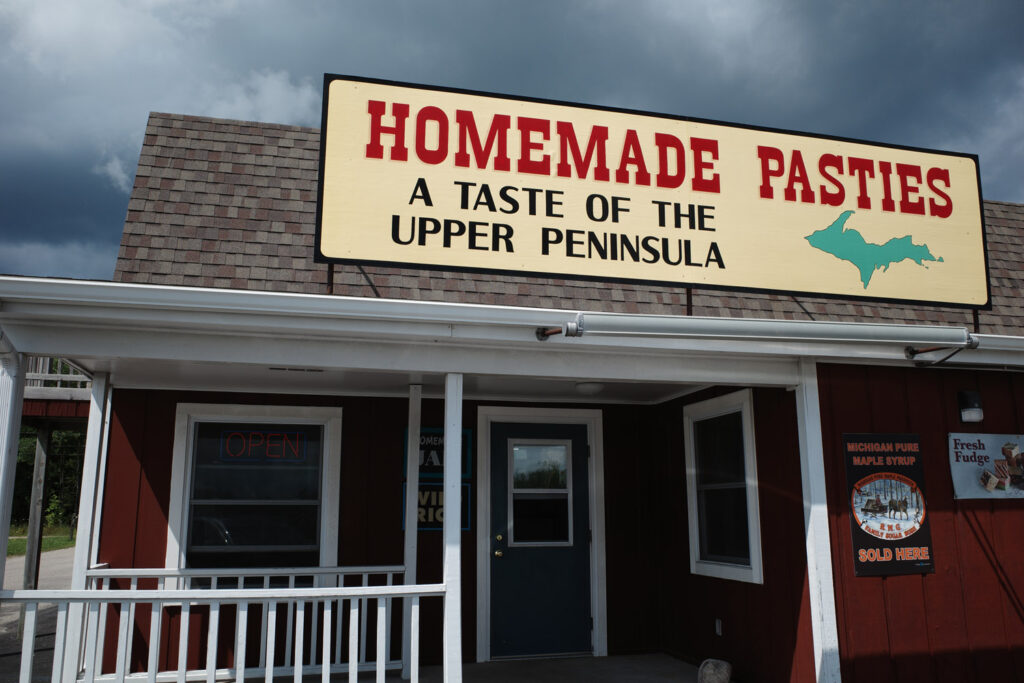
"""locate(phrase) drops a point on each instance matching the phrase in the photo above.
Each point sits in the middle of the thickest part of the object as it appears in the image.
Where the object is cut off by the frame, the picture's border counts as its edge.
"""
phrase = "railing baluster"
(263, 621)
(91, 639)
(291, 606)
(363, 609)
(124, 641)
(414, 640)
(241, 626)
(270, 615)
(211, 642)
(353, 639)
(186, 613)
(28, 644)
(300, 618)
(131, 618)
(387, 640)
(59, 639)
(382, 624)
(338, 630)
(156, 614)
(313, 631)
(325, 663)
(101, 631)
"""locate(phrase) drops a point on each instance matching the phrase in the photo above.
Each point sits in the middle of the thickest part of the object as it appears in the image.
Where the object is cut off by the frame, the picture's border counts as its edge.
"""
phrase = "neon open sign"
(261, 445)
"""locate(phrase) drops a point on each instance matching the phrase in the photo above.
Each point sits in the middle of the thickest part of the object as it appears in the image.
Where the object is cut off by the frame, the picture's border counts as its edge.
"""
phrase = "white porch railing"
(55, 378)
(249, 629)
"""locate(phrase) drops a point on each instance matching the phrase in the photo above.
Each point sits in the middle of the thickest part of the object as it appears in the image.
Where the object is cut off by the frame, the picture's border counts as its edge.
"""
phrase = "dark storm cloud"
(943, 75)
(56, 215)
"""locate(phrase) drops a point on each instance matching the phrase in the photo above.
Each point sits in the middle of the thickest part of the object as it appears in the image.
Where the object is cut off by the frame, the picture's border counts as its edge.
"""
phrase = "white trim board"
(741, 402)
(185, 418)
(598, 570)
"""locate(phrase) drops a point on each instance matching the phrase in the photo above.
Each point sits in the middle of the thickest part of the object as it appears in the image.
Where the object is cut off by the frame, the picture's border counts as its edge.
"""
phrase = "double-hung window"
(721, 486)
(254, 486)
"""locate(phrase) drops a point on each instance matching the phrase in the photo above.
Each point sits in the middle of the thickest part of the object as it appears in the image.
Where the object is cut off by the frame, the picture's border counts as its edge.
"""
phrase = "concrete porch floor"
(655, 668)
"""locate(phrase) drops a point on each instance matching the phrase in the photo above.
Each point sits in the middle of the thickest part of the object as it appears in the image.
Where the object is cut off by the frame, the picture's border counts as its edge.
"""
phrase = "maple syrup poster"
(888, 507)
(987, 466)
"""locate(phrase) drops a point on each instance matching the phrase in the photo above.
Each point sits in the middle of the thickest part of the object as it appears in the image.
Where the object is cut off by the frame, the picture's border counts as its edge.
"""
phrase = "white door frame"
(595, 476)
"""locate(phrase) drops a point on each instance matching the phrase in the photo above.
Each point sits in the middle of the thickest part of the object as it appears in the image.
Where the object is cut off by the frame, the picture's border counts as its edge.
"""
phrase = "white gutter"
(79, 293)
(33, 309)
(747, 329)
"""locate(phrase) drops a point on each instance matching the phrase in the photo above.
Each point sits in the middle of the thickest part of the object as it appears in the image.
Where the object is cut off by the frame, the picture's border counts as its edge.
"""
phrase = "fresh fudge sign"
(888, 508)
(987, 465)
(456, 180)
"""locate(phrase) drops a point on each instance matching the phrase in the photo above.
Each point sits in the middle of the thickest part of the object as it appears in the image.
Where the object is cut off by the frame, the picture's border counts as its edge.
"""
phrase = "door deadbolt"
(498, 537)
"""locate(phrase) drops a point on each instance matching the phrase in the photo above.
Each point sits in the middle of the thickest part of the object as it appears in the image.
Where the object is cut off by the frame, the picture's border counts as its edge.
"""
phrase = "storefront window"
(254, 486)
(255, 498)
(721, 478)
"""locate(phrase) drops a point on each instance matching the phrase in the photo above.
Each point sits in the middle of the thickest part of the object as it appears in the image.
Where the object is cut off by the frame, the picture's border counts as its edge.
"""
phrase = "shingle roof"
(221, 203)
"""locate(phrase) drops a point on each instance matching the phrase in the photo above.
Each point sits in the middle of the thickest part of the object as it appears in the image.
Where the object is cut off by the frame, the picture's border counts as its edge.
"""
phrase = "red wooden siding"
(653, 602)
(965, 622)
(47, 408)
(766, 629)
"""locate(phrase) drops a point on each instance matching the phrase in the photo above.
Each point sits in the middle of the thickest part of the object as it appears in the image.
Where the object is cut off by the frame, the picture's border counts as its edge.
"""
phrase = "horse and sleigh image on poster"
(888, 505)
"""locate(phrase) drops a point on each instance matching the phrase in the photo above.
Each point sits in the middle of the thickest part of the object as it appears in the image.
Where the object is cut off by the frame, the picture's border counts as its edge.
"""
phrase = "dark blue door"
(540, 540)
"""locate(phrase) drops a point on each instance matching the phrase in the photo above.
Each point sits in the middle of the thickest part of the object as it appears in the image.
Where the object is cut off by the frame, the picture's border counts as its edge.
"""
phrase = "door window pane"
(539, 493)
(540, 519)
(540, 466)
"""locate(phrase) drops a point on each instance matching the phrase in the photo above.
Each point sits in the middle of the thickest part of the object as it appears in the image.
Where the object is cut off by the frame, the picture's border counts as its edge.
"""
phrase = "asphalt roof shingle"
(222, 203)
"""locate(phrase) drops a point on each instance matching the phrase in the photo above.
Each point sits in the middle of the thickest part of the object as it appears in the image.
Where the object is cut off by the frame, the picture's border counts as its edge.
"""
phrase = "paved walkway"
(54, 570)
(54, 574)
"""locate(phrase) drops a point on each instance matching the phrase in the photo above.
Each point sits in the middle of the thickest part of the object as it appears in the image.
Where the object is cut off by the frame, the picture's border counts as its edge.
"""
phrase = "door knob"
(498, 553)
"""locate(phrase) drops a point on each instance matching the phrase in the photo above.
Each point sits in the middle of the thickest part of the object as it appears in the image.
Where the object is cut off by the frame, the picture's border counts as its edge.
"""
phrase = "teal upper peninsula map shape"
(849, 245)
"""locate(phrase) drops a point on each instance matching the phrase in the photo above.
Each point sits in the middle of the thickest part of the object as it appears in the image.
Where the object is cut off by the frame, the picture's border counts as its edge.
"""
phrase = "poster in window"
(888, 506)
(431, 491)
(987, 466)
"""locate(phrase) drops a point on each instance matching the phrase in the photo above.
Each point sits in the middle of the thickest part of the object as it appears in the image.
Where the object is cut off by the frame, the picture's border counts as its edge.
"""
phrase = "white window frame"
(188, 415)
(742, 402)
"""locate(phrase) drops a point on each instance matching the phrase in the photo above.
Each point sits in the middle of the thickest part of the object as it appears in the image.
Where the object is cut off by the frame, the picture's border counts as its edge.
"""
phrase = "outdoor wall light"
(970, 406)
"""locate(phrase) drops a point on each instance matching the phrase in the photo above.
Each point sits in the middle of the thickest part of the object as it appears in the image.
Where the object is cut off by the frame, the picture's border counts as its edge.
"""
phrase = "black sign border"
(319, 257)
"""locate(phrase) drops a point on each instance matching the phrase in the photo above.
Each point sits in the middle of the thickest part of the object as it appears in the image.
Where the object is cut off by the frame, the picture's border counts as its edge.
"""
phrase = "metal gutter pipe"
(612, 324)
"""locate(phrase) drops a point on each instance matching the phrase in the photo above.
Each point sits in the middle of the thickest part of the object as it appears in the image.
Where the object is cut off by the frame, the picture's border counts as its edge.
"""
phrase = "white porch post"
(818, 543)
(452, 525)
(12, 392)
(87, 515)
(412, 488)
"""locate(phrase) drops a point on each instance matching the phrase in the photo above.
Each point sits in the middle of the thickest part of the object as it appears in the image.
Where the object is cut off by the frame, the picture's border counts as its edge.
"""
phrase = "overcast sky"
(77, 80)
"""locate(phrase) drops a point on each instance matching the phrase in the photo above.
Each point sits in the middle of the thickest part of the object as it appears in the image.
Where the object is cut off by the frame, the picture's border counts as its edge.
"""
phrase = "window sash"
(723, 560)
(205, 467)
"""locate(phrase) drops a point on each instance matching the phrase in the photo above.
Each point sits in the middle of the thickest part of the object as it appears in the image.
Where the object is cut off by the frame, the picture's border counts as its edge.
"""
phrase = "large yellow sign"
(466, 181)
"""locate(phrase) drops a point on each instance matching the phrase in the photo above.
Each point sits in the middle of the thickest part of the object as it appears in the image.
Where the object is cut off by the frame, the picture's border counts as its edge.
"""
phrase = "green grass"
(16, 546)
